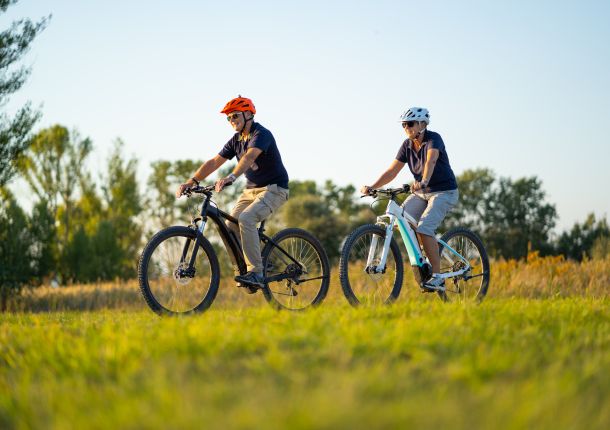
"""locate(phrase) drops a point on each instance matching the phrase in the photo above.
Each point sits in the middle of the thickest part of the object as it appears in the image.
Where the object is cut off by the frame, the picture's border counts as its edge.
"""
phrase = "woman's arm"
(431, 158)
(386, 176)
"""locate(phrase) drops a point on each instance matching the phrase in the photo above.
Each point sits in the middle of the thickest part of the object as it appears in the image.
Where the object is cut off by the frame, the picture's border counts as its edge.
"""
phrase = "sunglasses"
(233, 116)
(408, 124)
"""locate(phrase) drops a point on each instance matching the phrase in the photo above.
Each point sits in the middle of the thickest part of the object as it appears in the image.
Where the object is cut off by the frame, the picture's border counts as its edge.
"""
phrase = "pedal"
(431, 289)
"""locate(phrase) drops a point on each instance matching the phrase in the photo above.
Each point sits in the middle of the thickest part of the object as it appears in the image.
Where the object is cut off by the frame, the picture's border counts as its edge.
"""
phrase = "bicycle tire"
(344, 264)
(144, 266)
(282, 294)
(484, 273)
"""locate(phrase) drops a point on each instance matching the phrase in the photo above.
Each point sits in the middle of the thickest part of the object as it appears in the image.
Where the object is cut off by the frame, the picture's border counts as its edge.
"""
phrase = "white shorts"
(429, 209)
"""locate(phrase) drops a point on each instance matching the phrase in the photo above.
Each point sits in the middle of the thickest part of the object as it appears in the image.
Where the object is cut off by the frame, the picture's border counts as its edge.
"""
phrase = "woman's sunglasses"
(408, 124)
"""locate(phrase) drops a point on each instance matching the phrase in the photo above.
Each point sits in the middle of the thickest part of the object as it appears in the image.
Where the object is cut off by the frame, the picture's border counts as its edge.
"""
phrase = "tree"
(123, 203)
(163, 209)
(15, 243)
(517, 218)
(329, 213)
(15, 132)
(53, 167)
(475, 188)
(579, 242)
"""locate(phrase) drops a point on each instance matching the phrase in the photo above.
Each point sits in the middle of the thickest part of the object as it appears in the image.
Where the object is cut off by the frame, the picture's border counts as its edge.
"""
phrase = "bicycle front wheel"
(297, 270)
(169, 283)
(361, 255)
(472, 285)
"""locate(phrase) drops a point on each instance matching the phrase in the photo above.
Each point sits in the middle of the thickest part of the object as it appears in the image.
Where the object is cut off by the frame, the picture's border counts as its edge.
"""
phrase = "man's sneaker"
(251, 279)
(433, 284)
(247, 288)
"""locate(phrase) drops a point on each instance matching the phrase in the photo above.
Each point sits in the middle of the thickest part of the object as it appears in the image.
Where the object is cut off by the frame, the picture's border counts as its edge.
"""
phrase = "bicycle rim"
(173, 289)
(472, 286)
(369, 288)
(287, 293)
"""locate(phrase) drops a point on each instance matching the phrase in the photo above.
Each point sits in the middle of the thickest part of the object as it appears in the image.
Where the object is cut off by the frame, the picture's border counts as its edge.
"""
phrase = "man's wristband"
(232, 177)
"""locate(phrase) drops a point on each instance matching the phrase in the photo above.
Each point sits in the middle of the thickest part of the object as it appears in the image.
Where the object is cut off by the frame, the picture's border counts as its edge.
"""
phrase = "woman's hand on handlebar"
(365, 190)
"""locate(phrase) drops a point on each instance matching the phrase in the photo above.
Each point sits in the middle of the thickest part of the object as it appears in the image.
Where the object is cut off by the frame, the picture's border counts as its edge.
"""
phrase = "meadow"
(535, 354)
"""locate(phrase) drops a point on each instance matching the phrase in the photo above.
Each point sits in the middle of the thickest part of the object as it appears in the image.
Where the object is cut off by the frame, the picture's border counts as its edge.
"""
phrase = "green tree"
(475, 188)
(43, 232)
(123, 204)
(517, 218)
(15, 245)
(163, 209)
(53, 167)
(15, 131)
(580, 240)
(329, 212)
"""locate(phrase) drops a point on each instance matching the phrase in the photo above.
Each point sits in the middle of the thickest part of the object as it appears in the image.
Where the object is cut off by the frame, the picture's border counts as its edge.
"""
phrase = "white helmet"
(416, 114)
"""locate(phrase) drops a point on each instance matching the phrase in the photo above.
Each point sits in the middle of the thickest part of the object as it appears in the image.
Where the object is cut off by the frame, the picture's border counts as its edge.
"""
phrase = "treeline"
(83, 229)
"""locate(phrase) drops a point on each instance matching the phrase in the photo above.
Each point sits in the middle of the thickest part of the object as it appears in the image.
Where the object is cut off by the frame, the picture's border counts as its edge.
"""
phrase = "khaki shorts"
(429, 209)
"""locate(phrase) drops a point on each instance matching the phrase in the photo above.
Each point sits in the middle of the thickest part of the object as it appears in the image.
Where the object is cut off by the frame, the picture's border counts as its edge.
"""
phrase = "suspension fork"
(199, 235)
(389, 227)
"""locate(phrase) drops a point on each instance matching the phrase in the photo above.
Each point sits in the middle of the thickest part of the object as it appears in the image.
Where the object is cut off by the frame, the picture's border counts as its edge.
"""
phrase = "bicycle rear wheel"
(167, 283)
(301, 280)
(359, 284)
(472, 285)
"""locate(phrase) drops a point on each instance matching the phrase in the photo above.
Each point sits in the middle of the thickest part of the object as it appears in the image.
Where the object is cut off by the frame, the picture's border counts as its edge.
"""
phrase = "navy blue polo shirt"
(442, 178)
(268, 168)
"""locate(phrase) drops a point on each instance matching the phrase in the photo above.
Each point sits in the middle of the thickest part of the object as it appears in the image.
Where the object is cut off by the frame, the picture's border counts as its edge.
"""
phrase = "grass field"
(535, 354)
(508, 364)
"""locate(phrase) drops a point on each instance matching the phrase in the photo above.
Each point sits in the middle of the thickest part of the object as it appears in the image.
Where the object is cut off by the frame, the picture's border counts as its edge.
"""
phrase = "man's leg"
(267, 200)
(245, 199)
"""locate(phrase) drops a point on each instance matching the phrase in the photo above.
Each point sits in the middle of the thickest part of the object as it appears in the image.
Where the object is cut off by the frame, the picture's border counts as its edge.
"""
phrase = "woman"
(435, 188)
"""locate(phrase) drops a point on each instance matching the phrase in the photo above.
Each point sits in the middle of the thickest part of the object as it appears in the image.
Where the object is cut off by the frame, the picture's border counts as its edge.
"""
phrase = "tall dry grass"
(536, 277)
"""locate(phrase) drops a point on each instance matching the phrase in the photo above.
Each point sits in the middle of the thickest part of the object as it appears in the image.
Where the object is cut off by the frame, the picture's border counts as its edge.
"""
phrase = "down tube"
(412, 250)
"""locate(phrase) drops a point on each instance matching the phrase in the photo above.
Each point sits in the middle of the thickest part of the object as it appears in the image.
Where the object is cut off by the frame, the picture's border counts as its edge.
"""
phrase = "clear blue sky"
(521, 87)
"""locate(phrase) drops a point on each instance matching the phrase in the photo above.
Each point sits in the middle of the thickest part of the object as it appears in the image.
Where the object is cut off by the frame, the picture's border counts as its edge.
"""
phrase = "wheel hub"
(183, 274)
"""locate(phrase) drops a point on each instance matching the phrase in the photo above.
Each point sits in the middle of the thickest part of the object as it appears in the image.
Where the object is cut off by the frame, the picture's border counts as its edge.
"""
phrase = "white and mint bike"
(371, 268)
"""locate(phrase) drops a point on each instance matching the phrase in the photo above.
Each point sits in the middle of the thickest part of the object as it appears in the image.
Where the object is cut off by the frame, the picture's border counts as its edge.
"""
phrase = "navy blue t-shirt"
(442, 178)
(268, 168)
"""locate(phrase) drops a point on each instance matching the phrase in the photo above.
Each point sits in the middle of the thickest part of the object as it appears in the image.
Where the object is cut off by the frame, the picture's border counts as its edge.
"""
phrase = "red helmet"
(240, 104)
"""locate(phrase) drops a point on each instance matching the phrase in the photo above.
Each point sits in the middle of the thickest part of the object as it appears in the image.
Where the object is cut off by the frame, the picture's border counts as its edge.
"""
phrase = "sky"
(520, 87)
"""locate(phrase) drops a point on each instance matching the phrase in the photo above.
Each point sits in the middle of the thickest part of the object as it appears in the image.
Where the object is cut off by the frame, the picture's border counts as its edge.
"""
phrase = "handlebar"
(198, 189)
(389, 192)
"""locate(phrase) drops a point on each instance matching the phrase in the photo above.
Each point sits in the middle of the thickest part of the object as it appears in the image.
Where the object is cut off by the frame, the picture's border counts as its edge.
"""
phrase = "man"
(435, 188)
(267, 181)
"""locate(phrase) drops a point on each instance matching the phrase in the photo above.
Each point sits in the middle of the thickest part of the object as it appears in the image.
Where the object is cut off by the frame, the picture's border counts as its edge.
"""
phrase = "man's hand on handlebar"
(224, 182)
(180, 191)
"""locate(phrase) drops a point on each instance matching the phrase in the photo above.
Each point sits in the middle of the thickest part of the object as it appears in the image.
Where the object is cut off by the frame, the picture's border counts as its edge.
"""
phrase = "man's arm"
(244, 164)
(205, 170)
(246, 161)
(209, 167)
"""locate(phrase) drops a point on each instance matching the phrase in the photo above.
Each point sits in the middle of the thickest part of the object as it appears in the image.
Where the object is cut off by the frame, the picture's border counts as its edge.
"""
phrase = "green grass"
(509, 363)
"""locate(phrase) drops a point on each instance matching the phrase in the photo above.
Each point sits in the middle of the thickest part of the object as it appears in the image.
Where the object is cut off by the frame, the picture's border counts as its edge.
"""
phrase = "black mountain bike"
(179, 271)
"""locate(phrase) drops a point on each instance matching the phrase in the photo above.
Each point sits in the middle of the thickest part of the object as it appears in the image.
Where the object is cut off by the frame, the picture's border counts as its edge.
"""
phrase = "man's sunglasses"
(408, 124)
(233, 116)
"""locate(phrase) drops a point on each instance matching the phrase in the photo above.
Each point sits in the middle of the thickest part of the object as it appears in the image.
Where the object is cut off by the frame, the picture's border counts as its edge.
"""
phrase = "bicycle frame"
(229, 239)
(395, 215)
